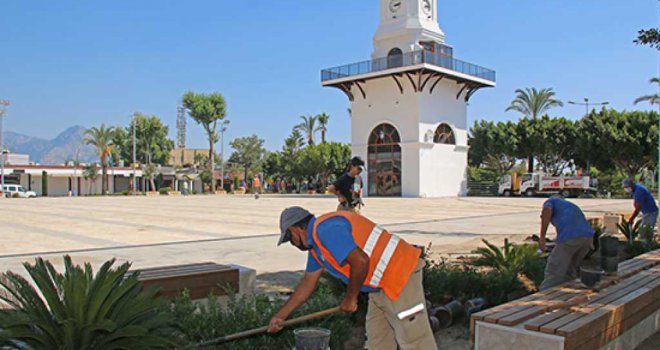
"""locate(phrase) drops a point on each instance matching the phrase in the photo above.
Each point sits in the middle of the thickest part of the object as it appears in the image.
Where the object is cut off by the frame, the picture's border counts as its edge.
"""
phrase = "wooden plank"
(547, 294)
(615, 331)
(601, 319)
(536, 323)
(564, 301)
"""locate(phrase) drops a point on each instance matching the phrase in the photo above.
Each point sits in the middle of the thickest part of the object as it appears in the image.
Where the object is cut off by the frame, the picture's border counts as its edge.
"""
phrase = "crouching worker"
(574, 240)
(369, 259)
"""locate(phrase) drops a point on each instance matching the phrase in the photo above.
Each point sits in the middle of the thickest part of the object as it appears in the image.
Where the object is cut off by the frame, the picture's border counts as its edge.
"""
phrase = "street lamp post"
(3, 103)
(223, 128)
(134, 161)
(586, 105)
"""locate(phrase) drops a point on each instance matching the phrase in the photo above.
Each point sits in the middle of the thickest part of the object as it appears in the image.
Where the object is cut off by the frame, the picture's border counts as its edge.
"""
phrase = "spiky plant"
(630, 231)
(512, 258)
(80, 310)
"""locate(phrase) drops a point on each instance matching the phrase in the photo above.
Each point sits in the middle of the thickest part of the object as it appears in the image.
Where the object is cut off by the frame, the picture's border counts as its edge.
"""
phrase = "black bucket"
(449, 313)
(312, 338)
(590, 276)
(609, 264)
(609, 246)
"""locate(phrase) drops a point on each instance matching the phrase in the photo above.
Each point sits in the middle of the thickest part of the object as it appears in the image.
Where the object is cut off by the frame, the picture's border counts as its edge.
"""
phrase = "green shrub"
(80, 310)
(165, 190)
(125, 192)
(512, 258)
(200, 323)
(445, 282)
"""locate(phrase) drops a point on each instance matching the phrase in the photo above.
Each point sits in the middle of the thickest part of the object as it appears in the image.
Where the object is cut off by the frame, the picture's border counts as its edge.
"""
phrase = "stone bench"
(622, 309)
(200, 279)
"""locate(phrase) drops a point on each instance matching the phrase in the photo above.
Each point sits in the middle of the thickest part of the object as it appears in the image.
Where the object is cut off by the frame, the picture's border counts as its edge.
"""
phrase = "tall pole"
(223, 128)
(4, 103)
(134, 161)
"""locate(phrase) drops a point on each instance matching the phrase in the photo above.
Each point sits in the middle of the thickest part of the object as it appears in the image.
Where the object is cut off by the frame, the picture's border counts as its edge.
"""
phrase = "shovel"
(263, 329)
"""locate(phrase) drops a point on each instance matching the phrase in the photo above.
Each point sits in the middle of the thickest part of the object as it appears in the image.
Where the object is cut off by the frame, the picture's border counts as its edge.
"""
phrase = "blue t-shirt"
(568, 219)
(336, 235)
(645, 198)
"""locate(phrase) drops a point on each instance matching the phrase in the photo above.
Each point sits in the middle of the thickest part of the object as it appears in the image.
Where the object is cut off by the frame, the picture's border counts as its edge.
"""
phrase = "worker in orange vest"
(367, 258)
(256, 186)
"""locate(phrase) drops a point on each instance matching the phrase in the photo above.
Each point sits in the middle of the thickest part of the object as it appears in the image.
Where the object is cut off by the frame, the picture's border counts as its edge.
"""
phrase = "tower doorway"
(384, 161)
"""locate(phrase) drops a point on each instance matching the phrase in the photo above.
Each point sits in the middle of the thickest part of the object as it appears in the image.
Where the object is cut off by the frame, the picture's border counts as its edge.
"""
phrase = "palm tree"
(101, 138)
(323, 125)
(652, 99)
(308, 127)
(90, 173)
(532, 103)
(149, 171)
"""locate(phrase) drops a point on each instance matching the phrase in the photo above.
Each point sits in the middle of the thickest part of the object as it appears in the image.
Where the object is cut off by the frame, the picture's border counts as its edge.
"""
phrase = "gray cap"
(628, 183)
(290, 216)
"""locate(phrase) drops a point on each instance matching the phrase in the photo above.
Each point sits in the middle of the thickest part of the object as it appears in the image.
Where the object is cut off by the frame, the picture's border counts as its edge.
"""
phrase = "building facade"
(409, 104)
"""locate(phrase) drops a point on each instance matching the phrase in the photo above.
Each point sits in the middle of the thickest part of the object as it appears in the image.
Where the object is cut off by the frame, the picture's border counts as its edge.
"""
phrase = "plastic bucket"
(609, 246)
(312, 338)
(475, 305)
(590, 276)
(609, 264)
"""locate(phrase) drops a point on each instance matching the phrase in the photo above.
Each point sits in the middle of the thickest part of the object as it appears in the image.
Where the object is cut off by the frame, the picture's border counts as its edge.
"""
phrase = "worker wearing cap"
(574, 240)
(367, 258)
(348, 194)
(643, 202)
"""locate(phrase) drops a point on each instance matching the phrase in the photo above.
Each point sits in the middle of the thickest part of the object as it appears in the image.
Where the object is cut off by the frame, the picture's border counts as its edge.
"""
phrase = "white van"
(9, 191)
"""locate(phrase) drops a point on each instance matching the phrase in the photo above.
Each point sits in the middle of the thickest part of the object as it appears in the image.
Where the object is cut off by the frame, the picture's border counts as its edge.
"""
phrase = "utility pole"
(223, 128)
(3, 103)
(134, 161)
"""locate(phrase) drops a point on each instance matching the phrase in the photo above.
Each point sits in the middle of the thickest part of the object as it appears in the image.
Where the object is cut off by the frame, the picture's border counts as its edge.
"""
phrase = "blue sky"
(66, 63)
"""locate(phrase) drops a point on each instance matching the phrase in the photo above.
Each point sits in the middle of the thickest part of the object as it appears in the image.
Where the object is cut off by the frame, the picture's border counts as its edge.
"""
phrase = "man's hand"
(349, 305)
(276, 324)
(542, 246)
(341, 198)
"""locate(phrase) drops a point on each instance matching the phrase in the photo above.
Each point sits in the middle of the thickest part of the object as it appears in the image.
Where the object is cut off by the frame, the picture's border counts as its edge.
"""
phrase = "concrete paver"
(153, 231)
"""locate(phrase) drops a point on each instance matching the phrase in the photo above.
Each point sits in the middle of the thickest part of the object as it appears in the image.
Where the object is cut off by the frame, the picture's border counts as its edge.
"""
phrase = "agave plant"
(80, 310)
(630, 231)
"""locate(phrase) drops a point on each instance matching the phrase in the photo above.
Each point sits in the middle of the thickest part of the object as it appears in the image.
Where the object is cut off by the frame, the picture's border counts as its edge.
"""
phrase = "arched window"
(444, 134)
(384, 157)
(395, 58)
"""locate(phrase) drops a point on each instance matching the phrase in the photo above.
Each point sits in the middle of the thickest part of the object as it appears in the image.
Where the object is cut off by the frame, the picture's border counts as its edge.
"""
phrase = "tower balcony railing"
(404, 60)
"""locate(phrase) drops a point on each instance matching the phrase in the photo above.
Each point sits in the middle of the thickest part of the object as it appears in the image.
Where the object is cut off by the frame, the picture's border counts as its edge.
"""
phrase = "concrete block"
(247, 279)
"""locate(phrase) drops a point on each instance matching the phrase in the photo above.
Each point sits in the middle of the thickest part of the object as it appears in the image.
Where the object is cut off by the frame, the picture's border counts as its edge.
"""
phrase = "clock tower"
(409, 105)
(405, 24)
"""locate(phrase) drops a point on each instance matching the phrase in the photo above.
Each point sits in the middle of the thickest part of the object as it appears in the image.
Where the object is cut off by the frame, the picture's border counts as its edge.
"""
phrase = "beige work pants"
(384, 328)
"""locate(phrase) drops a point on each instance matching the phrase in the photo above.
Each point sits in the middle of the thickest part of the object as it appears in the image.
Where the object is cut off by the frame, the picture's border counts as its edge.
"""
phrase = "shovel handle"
(263, 329)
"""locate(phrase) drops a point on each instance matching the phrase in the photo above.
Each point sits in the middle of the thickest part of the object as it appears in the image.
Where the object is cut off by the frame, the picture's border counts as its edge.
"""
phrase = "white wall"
(428, 169)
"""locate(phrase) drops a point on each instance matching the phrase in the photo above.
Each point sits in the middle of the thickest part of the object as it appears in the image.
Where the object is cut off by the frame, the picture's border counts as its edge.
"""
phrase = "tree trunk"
(530, 164)
(152, 183)
(104, 172)
(245, 175)
(211, 163)
(322, 136)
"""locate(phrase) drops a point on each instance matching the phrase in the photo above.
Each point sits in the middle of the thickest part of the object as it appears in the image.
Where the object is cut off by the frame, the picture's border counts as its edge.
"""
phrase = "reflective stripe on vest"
(391, 259)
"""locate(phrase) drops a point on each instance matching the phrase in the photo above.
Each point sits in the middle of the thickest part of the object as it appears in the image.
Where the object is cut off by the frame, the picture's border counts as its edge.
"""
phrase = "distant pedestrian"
(574, 240)
(348, 195)
(256, 187)
(643, 201)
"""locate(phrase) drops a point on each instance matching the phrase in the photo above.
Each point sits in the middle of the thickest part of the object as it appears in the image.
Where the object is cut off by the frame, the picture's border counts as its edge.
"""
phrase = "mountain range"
(52, 152)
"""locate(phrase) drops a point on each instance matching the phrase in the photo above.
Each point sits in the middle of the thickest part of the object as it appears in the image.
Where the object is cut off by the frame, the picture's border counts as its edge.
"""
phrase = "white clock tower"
(409, 104)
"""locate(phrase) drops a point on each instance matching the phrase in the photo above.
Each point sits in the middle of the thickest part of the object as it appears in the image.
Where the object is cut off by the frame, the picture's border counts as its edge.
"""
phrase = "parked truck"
(533, 184)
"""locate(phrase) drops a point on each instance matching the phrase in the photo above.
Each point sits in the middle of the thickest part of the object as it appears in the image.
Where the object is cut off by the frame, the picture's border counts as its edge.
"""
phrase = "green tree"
(149, 172)
(78, 309)
(206, 110)
(532, 103)
(308, 128)
(626, 140)
(323, 125)
(649, 37)
(323, 160)
(555, 143)
(152, 144)
(248, 152)
(101, 138)
(493, 145)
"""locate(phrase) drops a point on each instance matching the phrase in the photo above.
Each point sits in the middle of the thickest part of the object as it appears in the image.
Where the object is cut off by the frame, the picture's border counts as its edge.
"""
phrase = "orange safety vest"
(391, 259)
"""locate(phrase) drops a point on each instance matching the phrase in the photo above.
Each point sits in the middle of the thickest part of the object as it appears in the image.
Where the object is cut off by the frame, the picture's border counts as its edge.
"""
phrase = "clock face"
(426, 6)
(395, 5)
